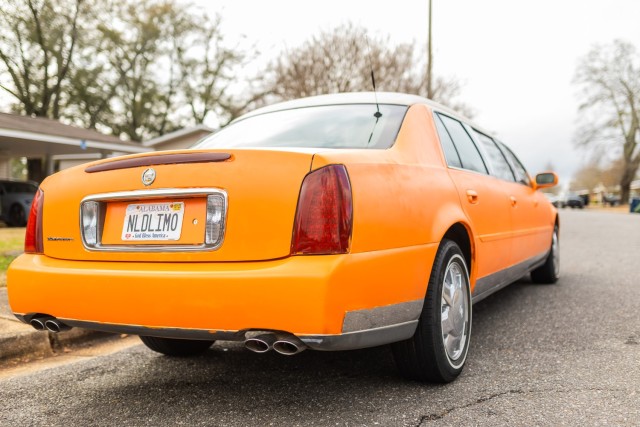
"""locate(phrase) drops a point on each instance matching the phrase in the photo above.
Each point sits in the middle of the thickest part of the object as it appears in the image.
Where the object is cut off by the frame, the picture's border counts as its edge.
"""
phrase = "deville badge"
(148, 176)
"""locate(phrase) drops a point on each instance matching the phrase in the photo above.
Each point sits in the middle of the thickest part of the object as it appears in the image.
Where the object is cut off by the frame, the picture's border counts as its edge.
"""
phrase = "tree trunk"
(628, 176)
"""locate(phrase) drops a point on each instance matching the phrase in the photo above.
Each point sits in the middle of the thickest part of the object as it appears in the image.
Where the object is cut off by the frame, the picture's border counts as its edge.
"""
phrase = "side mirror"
(546, 180)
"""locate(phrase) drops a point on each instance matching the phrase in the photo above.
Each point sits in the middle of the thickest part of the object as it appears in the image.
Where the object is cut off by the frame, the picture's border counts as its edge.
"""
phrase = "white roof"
(392, 98)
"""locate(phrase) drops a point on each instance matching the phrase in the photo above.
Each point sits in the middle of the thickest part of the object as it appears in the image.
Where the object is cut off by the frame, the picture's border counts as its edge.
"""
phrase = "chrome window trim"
(144, 195)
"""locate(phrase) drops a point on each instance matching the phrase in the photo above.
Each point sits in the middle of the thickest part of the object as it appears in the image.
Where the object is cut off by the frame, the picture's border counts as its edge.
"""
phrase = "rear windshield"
(326, 126)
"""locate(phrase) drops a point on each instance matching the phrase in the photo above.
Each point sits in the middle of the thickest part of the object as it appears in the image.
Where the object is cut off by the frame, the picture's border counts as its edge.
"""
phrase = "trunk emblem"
(148, 176)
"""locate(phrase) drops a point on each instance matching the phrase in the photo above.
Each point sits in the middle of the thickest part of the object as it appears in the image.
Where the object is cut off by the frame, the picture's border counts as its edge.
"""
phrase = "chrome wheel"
(555, 247)
(438, 349)
(455, 309)
(550, 270)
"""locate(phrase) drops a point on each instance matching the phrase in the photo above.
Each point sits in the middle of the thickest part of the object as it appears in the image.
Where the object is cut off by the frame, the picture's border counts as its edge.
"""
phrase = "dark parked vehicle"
(610, 199)
(556, 201)
(15, 201)
(574, 201)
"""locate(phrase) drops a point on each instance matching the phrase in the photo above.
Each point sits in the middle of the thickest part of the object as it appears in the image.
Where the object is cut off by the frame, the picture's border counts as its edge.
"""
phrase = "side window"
(520, 172)
(500, 165)
(466, 148)
(449, 149)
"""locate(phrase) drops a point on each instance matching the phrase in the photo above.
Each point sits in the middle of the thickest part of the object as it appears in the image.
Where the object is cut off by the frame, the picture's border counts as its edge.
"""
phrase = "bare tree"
(341, 60)
(138, 45)
(587, 177)
(207, 64)
(610, 82)
(137, 69)
(38, 42)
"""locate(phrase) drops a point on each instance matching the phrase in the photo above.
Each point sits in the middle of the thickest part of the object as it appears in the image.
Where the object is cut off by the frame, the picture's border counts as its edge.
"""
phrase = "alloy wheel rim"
(455, 310)
(555, 247)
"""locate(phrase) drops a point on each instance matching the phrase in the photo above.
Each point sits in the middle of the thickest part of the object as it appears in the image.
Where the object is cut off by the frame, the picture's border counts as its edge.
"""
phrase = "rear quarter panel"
(403, 196)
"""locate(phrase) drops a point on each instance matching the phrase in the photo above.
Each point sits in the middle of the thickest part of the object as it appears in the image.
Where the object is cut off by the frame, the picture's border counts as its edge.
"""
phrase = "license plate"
(153, 221)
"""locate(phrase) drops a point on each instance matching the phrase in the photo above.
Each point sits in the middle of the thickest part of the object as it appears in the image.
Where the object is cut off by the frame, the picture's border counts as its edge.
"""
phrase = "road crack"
(437, 416)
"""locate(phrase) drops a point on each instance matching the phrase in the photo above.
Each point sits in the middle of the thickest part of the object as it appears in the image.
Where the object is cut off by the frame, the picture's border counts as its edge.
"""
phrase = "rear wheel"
(438, 349)
(176, 347)
(549, 272)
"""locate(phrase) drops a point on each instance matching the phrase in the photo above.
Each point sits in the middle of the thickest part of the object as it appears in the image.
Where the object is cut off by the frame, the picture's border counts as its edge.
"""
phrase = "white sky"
(515, 58)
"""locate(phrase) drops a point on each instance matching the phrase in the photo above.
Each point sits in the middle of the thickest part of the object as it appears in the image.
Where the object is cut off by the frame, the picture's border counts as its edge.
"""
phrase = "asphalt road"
(564, 354)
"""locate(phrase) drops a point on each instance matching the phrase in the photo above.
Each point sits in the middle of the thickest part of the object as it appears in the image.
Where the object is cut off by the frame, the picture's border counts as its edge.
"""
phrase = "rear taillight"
(33, 236)
(325, 212)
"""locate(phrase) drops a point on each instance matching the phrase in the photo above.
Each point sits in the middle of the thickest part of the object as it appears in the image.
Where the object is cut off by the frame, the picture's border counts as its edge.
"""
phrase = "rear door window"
(499, 165)
(465, 147)
(520, 172)
(450, 152)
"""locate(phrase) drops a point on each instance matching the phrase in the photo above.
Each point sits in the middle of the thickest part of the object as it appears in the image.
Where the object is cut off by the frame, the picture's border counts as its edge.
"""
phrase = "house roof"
(24, 136)
(54, 127)
(177, 134)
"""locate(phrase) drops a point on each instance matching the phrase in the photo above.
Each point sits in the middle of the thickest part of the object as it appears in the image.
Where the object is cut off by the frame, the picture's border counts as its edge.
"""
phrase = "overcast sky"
(515, 58)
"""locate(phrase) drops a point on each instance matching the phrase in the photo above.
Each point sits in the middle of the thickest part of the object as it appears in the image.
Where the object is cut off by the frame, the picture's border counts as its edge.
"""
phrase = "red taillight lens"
(324, 216)
(33, 236)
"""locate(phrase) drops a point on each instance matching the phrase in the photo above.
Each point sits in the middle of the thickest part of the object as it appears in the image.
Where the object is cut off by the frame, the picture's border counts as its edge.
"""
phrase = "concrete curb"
(21, 341)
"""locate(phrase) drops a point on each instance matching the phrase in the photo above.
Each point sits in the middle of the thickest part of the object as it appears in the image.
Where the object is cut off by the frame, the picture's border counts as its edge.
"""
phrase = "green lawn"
(11, 245)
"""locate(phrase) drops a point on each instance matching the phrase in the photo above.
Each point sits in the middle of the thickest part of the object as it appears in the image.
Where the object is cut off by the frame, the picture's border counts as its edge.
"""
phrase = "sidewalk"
(20, 341)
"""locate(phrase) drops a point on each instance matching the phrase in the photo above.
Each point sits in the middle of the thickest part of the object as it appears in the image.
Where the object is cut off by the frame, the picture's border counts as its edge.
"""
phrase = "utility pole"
(429, 59)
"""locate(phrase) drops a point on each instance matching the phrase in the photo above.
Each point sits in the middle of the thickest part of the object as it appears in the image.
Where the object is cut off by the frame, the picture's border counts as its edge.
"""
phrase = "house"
(50, 146)
(180, 139)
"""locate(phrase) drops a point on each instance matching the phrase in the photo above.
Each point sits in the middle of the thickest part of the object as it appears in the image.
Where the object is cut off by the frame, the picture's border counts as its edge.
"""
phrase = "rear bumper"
(332, 302)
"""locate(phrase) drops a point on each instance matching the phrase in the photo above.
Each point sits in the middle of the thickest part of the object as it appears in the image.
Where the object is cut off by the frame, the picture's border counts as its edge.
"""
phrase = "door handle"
(514, 201)
(472, 196)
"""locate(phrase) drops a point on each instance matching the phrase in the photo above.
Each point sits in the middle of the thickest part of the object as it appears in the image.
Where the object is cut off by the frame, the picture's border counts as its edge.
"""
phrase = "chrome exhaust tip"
(261, 343)
(54, 325)
(38, 323)
(289, 346)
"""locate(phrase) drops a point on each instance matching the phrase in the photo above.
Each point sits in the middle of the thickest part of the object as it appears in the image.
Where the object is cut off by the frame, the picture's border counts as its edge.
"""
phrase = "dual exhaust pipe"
(287, 344)
(283, 343)
(48, 323)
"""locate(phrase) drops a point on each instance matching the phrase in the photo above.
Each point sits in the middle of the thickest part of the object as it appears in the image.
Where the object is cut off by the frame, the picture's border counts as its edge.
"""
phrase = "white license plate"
(153, 221)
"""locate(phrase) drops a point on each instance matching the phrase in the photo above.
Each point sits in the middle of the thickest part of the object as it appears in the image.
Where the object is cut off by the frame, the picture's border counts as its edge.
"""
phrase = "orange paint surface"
(404, 201)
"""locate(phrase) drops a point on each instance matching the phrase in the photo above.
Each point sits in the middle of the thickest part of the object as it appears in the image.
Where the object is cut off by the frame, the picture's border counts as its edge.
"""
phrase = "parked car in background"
(574, 201)
(610, 199)
(556, 201)
(329, 223)
(15, 201)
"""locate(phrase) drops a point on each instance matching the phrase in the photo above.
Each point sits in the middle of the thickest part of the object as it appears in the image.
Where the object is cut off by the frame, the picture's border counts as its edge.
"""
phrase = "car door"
(485, 203)
(532, 231)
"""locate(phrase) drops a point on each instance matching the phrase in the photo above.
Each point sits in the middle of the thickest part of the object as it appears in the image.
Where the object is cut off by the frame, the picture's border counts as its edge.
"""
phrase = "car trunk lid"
(167, 217)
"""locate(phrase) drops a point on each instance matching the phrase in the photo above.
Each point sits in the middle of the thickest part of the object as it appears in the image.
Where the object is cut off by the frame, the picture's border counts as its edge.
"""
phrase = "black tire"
(176, 347)
(424, 357)
(549, 272)
(17, 217)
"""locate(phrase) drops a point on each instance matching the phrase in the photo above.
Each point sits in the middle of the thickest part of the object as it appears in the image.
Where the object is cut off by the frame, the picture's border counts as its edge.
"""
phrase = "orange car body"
(405, 199)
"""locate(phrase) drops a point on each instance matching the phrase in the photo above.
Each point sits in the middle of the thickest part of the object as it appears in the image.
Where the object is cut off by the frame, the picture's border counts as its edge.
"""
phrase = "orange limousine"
(328, 223)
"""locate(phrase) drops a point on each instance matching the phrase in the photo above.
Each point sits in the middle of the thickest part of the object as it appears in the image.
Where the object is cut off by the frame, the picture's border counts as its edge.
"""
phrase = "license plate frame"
(153, 222)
